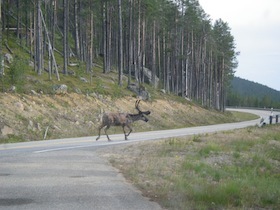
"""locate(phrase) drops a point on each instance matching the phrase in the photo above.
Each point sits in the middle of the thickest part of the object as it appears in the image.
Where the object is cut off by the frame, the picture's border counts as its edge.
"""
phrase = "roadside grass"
(237, 169)
(243, 116)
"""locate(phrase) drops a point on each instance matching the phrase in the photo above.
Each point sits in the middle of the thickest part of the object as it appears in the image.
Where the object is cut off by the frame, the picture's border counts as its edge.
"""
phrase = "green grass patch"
(243, 116)
(210, 148)
(233, 170)
(242, 144)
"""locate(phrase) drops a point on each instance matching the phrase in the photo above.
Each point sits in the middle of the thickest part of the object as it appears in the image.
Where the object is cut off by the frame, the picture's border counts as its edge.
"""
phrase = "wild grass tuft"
(209, 148)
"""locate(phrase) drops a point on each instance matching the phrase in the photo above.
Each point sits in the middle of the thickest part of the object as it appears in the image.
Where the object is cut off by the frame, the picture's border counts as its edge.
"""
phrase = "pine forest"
(184, 50)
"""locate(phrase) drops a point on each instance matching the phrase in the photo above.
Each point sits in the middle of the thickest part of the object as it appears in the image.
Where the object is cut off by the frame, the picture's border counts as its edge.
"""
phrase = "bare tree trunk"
(175, 58)
(154, 54)
(39, 52)
(109, 40)
(120, 51)
(143, 56)
(191, 89)
(104, 37)
(32, 35)
(210, 78)
(164, 59)
(187, 78)
(159, 65)
(130, 42)
(204, 76)
(222, 91)
(50, 48)
(65, 35)
(8, 19)
(216, 82)
(53, 25)
(26, 25)
(90, 41)
(182, 89)
(18, 21)
(77, 36)
(138, 53)
(168, 58)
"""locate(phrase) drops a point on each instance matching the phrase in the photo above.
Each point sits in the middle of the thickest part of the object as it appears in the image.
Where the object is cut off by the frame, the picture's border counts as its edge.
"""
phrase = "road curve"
(68, 174)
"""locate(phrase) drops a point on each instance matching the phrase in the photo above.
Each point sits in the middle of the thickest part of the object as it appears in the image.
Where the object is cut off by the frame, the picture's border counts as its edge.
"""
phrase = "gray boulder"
(140, 91)
(9, 58)
(60, 89)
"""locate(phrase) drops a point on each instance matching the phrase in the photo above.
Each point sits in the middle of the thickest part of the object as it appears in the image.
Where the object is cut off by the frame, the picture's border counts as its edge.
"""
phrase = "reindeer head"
(142, 113)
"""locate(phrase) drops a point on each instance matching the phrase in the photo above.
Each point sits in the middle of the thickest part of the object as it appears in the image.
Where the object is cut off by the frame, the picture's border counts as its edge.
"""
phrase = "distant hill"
(247, 93)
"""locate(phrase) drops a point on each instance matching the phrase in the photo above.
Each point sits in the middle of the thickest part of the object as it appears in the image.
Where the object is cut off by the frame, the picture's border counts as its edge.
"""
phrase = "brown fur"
(121, 119)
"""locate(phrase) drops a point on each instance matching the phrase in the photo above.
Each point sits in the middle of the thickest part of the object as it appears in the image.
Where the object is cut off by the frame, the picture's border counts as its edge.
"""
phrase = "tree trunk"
(109, 40)
(90, 41)
(77, 37)
(65, 36)
(143, 54)
(53, 25)
(50, 48)
(182, 89)
(18, 21)
(130, 41)
(154, 54)
(138, 53)
(39, 52)
(104, 37)
(164, 59)
(120, 51)
(1, 56)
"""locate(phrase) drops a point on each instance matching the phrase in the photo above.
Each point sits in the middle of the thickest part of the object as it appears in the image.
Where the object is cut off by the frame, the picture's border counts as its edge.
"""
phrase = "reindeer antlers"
(138, 109)
(137, 105)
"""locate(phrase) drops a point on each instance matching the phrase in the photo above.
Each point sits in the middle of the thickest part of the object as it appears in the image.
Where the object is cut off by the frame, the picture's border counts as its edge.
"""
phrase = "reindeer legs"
(99, 129)
(126, 135)
(105, 130)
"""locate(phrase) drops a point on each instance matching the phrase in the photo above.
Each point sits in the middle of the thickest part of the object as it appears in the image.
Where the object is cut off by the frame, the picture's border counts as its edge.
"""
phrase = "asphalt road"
(68, 173)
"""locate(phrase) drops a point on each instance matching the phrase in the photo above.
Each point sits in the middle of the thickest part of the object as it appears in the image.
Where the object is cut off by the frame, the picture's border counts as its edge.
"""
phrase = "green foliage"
(251, 94)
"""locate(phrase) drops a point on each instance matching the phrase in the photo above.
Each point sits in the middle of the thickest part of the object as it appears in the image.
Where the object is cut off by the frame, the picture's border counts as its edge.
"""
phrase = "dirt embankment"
(40, 116)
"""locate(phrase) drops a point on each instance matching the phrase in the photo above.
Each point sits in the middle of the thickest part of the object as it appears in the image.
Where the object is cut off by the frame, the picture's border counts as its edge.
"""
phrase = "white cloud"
(255, 25)
(242, 12)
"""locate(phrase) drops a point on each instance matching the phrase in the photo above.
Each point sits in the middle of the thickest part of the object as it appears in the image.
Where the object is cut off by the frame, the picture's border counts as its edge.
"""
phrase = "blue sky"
(255, 25)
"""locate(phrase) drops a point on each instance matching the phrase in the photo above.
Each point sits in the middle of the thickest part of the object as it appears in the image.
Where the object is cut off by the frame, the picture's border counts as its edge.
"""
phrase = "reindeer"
(122, 119)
